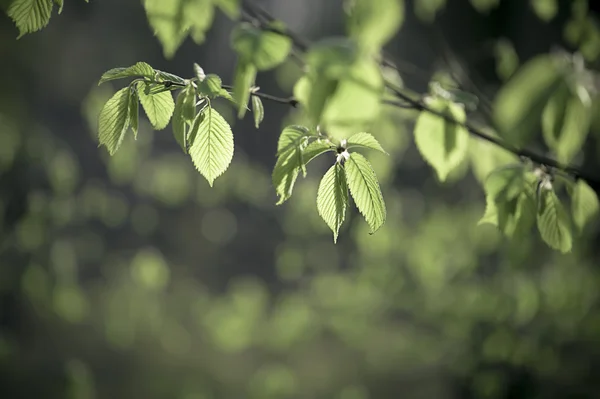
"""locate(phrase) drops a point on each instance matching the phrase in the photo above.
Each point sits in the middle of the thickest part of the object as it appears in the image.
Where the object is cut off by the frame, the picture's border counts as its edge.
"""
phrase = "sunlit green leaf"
(195, 128)
(364, 140)
(140, 69)
(230, 7)
(286, 172)
(365, 190)
(513, 217)
(521, 101)
(553, 222)
(245, 74)
(506, 183)
(442, 144)
(199, 72)
(507, 59)
(332, 198)
(158, 107)
(212, 150)
(484, 6)
(258, 110)
(373, 22)
(60, 4)
(486, 157)
(566, 121)
(172, 20)
(30, 15)
(315, 149)
(113, 121)
(210, 86)
(263, 49)
(313, 93)
(162, 76)
(178, 123)
(584, 204)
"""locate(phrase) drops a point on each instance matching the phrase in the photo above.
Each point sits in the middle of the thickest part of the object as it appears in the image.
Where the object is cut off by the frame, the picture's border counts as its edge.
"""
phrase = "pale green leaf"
(486, 157)
(199, 72)
(553, 222)
(245, 74)
(507, 59)
(566, 121)
(189, 104)
(364, 140)
(134, 112)
(356, 102)
(172, 20)
(374, 22)
(506, 183)
(113, 121)
(584, 204)
(521, 101)
(315, 149)
(140, 69)
(293, 136)
(158, 107)
(264, 49)
(258, 110)
(285, 173)
(212, 150)
(313, 92)
(332, 57)
(178, 123)
(365, 190)
(546, 10)
(484, 6)
(30, 15)
(230, 7)
(513, 217)
(442, 144)
(332, 198)
(195, 128)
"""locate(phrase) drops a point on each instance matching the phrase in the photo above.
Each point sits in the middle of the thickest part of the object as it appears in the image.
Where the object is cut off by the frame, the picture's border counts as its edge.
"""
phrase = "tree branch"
(264, 18)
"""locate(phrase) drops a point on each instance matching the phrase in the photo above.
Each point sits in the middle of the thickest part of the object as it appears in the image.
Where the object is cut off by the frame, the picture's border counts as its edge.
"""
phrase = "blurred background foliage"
(128, 277)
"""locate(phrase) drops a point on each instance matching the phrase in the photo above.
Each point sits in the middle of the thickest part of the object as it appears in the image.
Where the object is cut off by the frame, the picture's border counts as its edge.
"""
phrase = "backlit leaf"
(546, 10)
(245, 74)
(553, 222)
(332, 198)
(263, 49)
(364, 140)
(584, 204)
(212, 150)
(365, 190)
(134, 112)
(140, 69)
(293, 136)
(113, 121)
(285, 173)
(158, 107)
(442, 144)
(373, 22)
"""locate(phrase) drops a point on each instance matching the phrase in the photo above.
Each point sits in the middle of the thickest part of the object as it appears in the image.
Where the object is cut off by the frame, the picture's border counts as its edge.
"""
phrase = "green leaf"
(172, 20)
(162, 76)
(199, 72)
(521, 101)
(507, 59)
(199, 118)
(486, 157)
(258, 110)
(212, 150)
(513, 217)
(553, 222)
(285, 173)
(291, 137)
(565, 122)
(373, 22)
(505, 184)
(114, 120)
(365, 190)
(484, 6)
(189, 104)
(442, 144)
(426, 10)
(230, 7)
(364, 140)
(180, 121)
(356, 102)
(158, 107)
(134, 112)
(211, 87)
(60, 5)
(245, 74)
(264, 49)
(30, 15)
(546, 10)
(332, 198)
(140, 69)
(313, 93)
(584, 204)
(315, 149)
